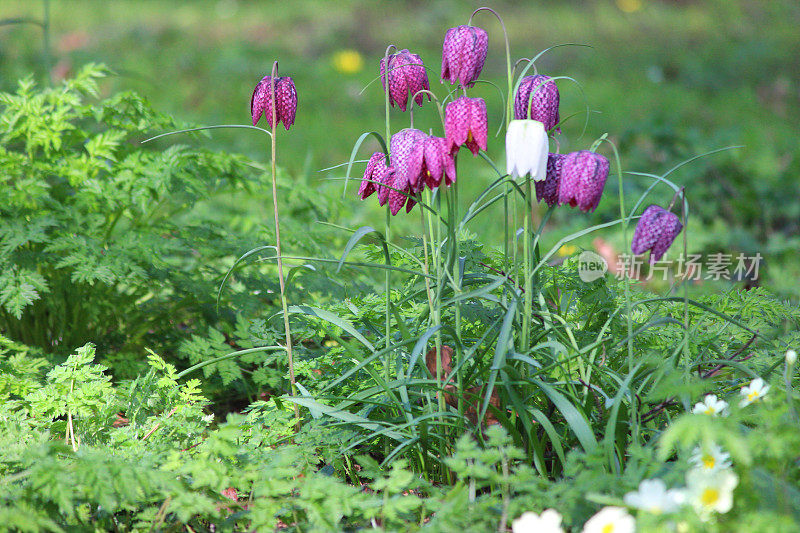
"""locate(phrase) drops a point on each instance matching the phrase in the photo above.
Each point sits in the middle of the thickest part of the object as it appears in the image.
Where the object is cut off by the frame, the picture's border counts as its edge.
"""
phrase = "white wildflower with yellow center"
(753, 392)
(711, 405)
(710, 459)
(654, 497)
(610, 520)
(710, 492)
(548, 522)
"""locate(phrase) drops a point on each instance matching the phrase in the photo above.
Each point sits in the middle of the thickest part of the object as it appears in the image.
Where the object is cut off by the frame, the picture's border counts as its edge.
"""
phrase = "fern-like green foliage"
(103, 238)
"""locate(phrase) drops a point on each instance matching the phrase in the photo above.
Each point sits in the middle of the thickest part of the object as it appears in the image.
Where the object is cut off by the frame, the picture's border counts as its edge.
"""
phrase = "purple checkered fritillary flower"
(655, 231)
(583, 176)
(437, 162)
(374, 175)
(463, 54)
(408, 153)
(285, 100)
(407, 75)
(547, 189)
(466, 123)
(540, 94)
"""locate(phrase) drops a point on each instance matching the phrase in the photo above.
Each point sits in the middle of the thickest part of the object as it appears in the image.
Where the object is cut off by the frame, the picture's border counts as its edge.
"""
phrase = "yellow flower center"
(709, 497)
(710, 411)
(753, 396)
(608, 528)
(708, 461)
(469, 136)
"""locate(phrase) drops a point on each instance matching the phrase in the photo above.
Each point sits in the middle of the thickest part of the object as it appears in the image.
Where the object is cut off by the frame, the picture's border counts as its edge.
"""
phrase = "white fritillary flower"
(752, 393)
(791, 357)
(610, 520)
(548, 522)
(527, 146)
(711, 492)
(711, 405)
(711, 459)
(654, 497)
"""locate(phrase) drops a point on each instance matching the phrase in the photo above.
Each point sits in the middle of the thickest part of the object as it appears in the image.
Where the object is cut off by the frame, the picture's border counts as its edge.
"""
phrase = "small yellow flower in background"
(548, 522)
(752, 393)
(711, 406)
(711, 492)
(566, 250)
(629, 6)
(610, 520)
(348, 61)
(711, 459)
(331, 343)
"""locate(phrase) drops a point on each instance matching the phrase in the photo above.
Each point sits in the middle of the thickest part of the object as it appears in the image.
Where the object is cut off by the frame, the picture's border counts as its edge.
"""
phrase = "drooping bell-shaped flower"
(655, 231)
(374, 175)
(583, 176)
(463, 54)
(437, 162)
(547, 190)
(407, 75)
(526, 149)
(285, 98)
(399, 196)
(539, 94)
(407, 158)
(385, 178)
(466, 123)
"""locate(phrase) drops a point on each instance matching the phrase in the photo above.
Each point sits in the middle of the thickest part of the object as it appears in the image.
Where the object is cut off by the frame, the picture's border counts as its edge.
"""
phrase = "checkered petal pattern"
(463, 54)
(407, 75)
(466, 123)
(583, 176)
(547, 189)
(376, 168)
(285, 98)
(407, 154)
(438, 163)
(656, 231)
(542, 95)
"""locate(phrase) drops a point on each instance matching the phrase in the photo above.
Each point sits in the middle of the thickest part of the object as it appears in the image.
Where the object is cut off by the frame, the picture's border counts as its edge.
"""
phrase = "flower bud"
(540, 95)
(285, 100)
(583, 176)
(466, 123)
(463, 54)
(655, 232)
(791, 357)
(407, 75)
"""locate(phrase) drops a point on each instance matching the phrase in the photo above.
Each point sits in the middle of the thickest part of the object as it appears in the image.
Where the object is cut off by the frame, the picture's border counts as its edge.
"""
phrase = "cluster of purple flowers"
(419, 160)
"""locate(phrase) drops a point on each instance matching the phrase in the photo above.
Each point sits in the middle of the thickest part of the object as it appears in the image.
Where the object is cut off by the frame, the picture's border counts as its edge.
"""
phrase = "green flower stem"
(387, 278)
(509, 67)
(437, 316)
(281, 278)
(528, 305)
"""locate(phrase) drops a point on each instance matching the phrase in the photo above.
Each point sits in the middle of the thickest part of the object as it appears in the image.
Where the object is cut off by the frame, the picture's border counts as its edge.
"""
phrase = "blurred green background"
(667, 80)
